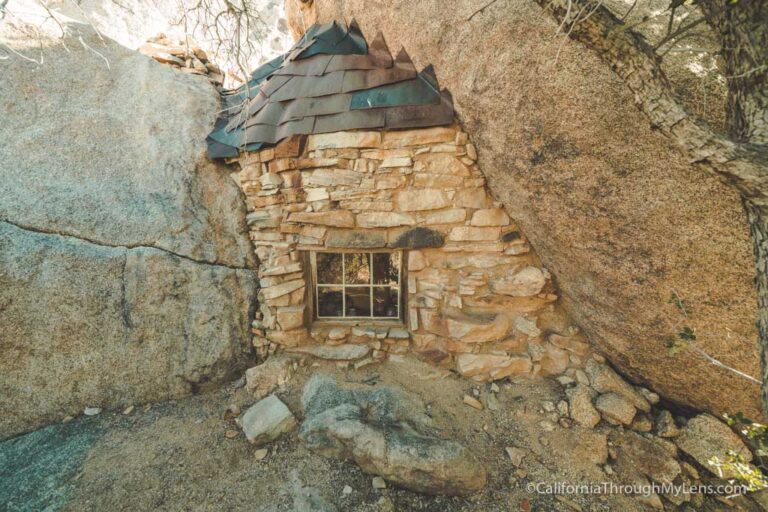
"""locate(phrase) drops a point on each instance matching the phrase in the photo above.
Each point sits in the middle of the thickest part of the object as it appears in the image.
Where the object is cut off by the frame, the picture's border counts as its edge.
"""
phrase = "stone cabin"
(372, 222)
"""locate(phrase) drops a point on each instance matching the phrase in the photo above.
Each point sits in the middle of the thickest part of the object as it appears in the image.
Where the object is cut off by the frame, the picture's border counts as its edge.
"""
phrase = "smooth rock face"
(267, 420)
(534, 122)
(705, 437)
(383, 431)
(125, 274)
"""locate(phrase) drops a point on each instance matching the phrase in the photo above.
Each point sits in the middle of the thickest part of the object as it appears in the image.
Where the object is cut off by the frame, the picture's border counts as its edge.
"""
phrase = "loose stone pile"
(177, 54)
(477, 297)
(645, 442)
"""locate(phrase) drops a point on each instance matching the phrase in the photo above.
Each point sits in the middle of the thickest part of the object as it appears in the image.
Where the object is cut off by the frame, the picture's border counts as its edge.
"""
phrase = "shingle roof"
(331, 80)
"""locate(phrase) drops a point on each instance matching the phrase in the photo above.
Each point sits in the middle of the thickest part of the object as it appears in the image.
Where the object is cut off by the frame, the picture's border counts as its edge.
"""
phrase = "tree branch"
(631, 57)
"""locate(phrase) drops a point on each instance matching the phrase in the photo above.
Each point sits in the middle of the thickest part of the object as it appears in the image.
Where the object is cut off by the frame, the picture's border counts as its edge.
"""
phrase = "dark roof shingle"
(331, 80)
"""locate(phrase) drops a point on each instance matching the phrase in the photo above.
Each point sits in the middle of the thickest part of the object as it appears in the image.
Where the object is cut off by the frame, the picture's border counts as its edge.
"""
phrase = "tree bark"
(742, 29)
(758, 230)
(743, 166)
(739, 159)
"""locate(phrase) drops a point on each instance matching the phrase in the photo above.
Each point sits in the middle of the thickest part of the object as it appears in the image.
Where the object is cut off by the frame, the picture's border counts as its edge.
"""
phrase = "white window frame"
(316, 286)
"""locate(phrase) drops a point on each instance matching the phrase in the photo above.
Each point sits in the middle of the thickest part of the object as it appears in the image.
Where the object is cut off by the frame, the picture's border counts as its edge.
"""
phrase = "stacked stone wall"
(476, 296)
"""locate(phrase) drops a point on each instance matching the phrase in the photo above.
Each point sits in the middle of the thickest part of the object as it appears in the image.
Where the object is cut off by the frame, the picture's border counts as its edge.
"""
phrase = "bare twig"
(481, 10)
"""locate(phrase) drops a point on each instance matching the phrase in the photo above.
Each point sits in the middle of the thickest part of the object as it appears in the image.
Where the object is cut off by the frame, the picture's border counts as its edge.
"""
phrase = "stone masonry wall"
(477, 297)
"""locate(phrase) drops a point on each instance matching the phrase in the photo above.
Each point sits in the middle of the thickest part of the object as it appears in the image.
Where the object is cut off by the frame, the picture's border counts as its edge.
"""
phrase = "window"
(357, 285)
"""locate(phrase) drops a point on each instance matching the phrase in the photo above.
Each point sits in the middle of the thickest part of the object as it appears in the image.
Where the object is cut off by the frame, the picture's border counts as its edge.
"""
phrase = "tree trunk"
(758, 229)
(742, 28)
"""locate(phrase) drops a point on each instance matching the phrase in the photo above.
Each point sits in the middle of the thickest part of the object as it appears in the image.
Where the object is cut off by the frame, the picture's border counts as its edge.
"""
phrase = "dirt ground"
(175, 456)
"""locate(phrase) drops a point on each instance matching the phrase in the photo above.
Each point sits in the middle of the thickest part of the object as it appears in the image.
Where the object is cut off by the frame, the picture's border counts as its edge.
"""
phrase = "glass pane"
(385, 302)
(358, 268)
(329, 301)
(358, 301)
(386, 267)
(328, 268)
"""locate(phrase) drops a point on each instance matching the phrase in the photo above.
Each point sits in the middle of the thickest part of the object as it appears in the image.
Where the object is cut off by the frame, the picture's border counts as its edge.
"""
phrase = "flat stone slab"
(346, 352)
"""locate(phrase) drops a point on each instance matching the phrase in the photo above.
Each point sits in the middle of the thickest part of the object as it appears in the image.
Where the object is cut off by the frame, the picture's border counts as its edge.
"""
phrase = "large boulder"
(612, 208)
(125, 273)
(384, 431)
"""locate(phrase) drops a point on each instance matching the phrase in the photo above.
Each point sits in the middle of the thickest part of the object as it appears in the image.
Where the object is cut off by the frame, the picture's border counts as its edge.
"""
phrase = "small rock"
(347, 490)
(263, 379)
(231, 434)
(521, 473)
(615, 408)
(548, 406)
(495, 387)
(665, 425)
(128, 410)
(385, 504)
(473, 402)
(491, 402)
(516, 455)
(604, 380)
(565, 380)
(378, 483)
(581, 377)
(562, 408)
(580, 406)
(261, 454)
(267, 420)
(476, 392)
(641, 423)
(608, 469)
(232, 411)
(337, 333)
(92, 411)
(547, 426)
(649, 395)
(239, 383)
(67, 419)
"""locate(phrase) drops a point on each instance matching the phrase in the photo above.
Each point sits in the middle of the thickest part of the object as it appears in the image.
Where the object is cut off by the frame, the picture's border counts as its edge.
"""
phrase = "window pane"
(358, 268)
(328, 300)
(386, 267)
(358, 301)
(385, 302)
(328, 268)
